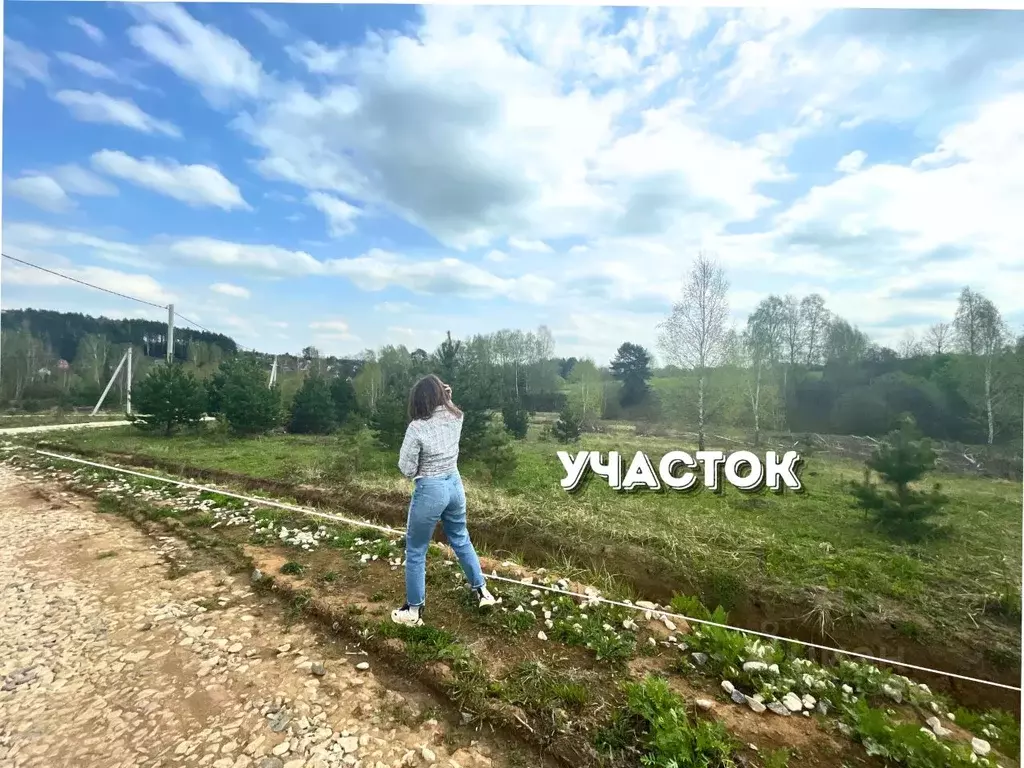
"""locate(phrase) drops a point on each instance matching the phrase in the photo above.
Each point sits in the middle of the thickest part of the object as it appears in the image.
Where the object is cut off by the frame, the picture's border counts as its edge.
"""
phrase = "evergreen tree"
(516, 419)
(390, 419)
(496, 453)
(632, 366)
(248, 406)
(168, 397)
(904, 457)
(313, 410)
(343, 396)
(569, 426)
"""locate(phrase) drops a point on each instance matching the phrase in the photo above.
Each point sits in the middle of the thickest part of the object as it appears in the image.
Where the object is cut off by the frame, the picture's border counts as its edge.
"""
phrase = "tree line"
(793, 366)
(800, 367)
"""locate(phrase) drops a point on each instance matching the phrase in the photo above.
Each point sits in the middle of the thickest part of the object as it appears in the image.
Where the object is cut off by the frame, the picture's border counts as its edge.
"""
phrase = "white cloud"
(318, 59)
(88, 66)
(140, 286)
(480, 128)
(100, 108)
(335, 330)
(532, 246)
(271, 23)
(196, 185)
(394, 307)
(379, 269)
(376, 270)
(330, 326)
(22, 63)
(94, 33)
(262, 258)
(30, 235)
(218, 64)
(496, 256)
(852, 162)
(79, 181)
(39, 243)
(98, 70)
(340, 215)
(41, 191)
(227, 289)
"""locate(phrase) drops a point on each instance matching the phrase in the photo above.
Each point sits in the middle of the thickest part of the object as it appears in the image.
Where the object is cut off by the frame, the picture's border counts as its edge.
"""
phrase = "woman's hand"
(447, 391)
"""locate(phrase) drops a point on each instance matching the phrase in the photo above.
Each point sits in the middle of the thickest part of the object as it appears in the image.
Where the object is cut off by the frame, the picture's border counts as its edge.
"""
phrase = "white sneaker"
(484, 598)
(408, 615)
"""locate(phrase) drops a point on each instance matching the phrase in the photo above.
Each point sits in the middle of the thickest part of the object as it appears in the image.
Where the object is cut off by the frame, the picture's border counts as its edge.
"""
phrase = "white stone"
(792, 702)
(755, 705)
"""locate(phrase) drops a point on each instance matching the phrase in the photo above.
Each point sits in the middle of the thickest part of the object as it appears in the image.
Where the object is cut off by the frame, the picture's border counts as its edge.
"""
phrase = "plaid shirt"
(431, 446)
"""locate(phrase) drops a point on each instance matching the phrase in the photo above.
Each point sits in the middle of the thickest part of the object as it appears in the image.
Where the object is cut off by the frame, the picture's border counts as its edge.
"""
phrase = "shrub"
(569, 426)
(904, 457)
(516, 419)
(169, 396)
(312, 411)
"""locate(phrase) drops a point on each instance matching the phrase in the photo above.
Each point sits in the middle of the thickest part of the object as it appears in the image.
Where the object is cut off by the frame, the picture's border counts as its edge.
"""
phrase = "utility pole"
(273, 375)
(113, 378)
(128, 385)
(170, 333)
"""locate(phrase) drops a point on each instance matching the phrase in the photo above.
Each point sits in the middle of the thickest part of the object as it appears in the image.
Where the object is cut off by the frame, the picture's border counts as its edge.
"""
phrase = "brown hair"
(426, 396)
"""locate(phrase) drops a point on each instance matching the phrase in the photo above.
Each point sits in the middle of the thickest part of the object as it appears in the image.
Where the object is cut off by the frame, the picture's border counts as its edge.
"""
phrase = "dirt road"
(117, 650)
(73, 425)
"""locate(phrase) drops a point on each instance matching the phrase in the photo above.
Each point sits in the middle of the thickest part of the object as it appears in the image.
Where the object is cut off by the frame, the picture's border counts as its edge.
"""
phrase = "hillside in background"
(63, 332)
(65, 359)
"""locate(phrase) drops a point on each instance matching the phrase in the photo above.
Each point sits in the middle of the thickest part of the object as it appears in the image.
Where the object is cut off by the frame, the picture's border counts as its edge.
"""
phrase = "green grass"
(656, 720)
(772, 545)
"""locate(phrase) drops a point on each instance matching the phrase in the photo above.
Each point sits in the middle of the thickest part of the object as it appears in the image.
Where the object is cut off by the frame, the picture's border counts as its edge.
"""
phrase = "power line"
(121, 295)
(197, 325)
(214, 333)
(83, 282)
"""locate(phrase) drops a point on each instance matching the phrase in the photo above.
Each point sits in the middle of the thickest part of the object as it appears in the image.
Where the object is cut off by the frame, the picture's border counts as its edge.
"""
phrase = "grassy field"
(805, 559)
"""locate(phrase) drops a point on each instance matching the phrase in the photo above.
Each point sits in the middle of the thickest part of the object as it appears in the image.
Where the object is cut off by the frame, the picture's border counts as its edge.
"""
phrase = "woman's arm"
(409, 455)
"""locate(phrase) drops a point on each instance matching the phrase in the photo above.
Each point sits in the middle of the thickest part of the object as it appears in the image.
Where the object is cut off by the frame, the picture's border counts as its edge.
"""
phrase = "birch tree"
(969, 319)
(814, 320)
(694, 334)
(764, 341)
(981, 334)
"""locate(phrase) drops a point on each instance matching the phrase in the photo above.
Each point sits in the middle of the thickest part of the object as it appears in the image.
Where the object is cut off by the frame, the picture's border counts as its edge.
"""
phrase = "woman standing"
(429, 455)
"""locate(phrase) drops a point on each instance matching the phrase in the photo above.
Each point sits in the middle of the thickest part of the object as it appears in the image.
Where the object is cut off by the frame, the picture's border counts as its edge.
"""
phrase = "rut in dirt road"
(106, 662)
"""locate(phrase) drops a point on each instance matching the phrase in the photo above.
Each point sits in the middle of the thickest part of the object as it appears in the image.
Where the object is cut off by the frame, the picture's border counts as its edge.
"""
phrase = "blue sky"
(351, 176)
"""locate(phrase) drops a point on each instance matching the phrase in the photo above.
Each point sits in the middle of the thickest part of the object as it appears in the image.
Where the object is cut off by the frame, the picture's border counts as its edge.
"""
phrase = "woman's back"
(431, 446)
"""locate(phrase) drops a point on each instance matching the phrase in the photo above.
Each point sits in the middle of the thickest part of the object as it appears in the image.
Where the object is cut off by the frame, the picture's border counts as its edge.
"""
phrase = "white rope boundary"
(591, 598)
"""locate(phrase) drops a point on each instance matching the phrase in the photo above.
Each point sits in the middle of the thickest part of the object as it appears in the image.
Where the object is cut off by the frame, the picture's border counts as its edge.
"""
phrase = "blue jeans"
(437, 499)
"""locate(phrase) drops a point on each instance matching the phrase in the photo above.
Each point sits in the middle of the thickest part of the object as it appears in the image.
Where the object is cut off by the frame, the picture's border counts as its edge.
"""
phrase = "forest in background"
(795, 366)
